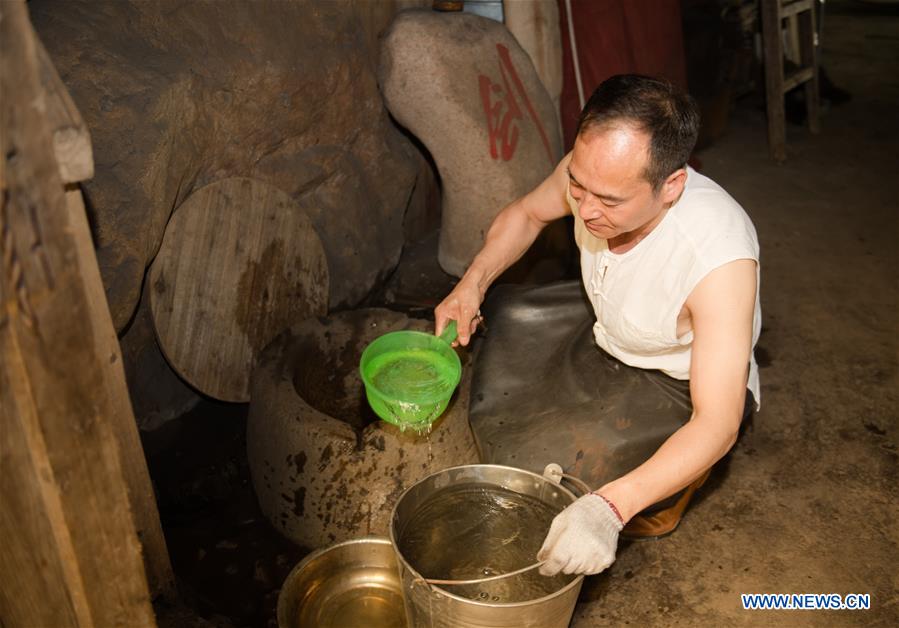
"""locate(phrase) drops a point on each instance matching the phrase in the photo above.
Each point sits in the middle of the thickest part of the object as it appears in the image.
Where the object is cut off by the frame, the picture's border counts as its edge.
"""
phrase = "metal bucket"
(431, 606)
(354, 583)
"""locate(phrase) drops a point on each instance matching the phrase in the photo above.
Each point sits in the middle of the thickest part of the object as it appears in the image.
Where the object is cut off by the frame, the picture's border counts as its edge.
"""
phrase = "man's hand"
(582, 538)
(511, 234)
(461, 305)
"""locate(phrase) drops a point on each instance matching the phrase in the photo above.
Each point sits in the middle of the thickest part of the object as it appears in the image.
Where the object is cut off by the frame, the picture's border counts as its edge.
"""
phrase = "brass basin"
(354, 583)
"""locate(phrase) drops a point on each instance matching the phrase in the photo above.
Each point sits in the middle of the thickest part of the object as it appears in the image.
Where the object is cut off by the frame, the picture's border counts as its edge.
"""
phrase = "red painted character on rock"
(502, 110)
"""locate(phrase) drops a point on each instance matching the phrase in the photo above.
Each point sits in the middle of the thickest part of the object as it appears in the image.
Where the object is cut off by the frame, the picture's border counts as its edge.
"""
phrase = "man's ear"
(673, 186)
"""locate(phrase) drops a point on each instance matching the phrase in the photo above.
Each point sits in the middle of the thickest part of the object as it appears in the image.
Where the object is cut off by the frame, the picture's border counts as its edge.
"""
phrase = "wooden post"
(74, 158)
(808, 57)
(800, 15)
(772, 38)
(70, 553)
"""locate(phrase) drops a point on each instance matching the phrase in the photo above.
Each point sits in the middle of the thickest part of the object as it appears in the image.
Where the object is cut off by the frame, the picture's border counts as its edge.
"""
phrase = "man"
(670, 265)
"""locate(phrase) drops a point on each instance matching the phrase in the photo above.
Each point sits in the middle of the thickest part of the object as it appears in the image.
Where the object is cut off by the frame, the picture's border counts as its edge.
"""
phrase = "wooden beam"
(115, 392)
(808, 54)
(774, 78)
(71, 138)
(797, 78)
(74, 156)
(70, 554)
(32, 517)
(792, 8)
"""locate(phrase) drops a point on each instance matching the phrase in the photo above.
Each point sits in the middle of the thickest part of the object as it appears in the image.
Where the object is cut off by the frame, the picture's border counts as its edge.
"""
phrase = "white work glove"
(582, 538)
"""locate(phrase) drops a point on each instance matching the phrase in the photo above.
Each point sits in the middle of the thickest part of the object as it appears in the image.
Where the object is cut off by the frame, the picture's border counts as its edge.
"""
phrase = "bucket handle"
(517, 572)
(553, 472)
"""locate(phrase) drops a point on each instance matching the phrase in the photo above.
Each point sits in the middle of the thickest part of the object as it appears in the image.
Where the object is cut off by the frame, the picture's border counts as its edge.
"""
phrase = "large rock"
(180, 94)
(324, 467)
(466, 89)
(360, 242)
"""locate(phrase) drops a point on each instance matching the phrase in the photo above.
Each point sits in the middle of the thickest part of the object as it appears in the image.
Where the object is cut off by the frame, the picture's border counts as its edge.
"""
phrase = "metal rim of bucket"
(405, 563)
(288, 583)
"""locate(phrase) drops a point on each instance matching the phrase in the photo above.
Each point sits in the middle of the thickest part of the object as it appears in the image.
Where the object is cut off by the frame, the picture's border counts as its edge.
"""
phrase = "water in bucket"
(476, 530)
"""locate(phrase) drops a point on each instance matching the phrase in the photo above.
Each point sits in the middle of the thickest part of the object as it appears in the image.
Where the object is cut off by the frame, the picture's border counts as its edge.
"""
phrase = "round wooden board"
(239, 262)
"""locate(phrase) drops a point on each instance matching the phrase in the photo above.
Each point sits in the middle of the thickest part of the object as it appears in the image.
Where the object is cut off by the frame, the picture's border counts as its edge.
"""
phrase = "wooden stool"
(803, 36)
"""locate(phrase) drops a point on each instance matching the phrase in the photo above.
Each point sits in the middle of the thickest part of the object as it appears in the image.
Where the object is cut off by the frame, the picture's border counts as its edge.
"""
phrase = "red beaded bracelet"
(612, 506)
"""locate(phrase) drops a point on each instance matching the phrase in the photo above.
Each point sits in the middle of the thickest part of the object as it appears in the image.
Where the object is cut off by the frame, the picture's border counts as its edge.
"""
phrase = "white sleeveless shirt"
(637, 295)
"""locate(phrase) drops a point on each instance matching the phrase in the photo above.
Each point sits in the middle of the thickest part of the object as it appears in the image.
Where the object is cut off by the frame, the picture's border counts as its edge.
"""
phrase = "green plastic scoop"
(409, 376)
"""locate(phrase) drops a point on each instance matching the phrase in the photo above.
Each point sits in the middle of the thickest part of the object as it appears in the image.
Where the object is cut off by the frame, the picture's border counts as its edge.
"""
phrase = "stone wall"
(180, 94)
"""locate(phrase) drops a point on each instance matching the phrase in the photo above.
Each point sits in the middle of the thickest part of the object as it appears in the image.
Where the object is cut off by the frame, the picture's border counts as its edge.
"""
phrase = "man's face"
(606, 173)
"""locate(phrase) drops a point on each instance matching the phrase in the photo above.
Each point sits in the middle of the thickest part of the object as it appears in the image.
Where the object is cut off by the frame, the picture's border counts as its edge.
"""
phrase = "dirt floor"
(806, 502)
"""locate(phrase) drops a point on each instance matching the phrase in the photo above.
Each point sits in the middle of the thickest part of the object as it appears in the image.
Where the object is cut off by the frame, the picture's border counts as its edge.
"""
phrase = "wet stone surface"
(309, 406)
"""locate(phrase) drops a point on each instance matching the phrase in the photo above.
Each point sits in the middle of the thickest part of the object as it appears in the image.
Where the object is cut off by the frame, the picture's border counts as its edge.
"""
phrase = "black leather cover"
(542, 390)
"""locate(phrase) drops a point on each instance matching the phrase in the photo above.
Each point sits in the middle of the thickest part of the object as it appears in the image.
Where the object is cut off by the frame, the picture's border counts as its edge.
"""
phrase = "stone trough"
(324, 467)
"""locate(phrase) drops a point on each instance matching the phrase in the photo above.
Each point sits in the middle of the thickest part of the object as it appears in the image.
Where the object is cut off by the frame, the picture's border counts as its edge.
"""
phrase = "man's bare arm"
(721, 308)
(510, 235)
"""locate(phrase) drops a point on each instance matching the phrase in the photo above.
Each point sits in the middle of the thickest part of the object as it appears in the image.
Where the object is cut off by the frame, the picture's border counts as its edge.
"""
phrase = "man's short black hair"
(667, 114)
